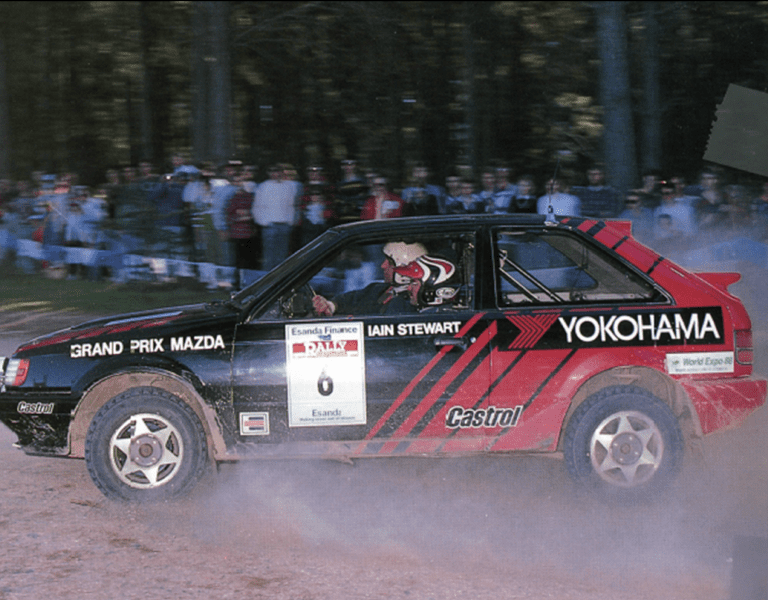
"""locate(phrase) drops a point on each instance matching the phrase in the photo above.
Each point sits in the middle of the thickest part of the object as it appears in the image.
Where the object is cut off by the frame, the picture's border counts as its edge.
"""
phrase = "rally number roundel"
(325, 384)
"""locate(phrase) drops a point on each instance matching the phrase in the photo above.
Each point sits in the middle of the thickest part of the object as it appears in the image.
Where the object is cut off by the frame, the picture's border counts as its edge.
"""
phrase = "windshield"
(245, 297)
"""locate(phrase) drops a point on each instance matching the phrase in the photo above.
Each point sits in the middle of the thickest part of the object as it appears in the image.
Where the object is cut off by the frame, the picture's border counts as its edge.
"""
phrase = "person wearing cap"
(429, 280)
(380, 297)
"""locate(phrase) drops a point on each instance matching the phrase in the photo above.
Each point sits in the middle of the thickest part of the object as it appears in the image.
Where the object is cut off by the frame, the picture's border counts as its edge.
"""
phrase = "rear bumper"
(724, 403)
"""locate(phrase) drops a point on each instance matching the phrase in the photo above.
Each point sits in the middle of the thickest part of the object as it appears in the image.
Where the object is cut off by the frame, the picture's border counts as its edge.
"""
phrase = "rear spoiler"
(720, 280)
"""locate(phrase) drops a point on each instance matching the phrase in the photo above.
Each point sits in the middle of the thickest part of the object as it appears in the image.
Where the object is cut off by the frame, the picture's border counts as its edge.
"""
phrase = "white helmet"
(402, 253)
(436, 276)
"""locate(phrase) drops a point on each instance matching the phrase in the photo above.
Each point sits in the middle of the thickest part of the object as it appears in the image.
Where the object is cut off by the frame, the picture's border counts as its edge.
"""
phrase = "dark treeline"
(87, 86)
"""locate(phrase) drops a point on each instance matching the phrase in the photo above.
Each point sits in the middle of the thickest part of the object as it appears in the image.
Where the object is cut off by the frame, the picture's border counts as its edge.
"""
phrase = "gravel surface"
(493, 527)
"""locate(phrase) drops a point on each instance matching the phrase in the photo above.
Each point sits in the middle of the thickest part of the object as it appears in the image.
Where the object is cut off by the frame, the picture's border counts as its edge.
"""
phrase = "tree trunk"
(199, 83)
(618, 137)
(651, 130)
(5, 133)
(211, 83)
(145, 106)
(470, 108)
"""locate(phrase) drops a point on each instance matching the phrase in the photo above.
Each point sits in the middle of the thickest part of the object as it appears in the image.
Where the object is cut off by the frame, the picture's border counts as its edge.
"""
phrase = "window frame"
(541, 295)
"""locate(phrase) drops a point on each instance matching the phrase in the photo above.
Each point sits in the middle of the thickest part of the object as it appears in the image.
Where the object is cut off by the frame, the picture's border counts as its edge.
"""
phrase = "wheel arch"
(107, 388)
(659, 384)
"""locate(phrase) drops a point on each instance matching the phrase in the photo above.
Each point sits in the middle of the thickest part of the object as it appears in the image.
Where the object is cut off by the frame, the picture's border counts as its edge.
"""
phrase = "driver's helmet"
(436, 276)
(401, 253)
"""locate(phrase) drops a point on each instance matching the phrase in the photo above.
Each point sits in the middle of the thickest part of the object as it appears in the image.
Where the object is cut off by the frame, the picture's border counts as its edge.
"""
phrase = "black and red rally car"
(555, 335)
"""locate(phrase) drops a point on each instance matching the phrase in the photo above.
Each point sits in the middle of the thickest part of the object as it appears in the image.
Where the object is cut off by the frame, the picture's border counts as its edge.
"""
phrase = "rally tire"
(146, 444)
(623, 442)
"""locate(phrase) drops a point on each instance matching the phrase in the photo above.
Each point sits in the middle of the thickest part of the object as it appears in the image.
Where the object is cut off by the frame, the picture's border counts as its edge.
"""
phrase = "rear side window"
(549, 267)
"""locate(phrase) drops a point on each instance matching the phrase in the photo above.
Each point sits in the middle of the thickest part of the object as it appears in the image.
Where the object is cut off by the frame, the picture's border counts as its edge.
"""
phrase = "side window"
(545, 267)
(361, 280)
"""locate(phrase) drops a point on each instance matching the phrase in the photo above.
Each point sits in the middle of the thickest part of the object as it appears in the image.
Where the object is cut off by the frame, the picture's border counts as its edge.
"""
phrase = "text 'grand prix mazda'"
(410, 337)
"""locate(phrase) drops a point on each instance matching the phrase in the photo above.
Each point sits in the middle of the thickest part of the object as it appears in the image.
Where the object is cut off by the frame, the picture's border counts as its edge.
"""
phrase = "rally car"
(432, 336)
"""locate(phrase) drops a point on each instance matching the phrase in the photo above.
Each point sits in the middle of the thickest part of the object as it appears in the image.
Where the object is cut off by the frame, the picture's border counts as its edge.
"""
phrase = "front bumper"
(40, 421)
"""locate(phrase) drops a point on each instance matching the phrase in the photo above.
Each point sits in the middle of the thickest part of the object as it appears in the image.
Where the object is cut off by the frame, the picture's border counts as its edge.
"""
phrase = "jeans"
(275, 240)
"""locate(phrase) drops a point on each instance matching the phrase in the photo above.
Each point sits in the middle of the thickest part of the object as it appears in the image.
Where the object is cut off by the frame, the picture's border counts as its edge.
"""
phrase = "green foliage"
(93, 85)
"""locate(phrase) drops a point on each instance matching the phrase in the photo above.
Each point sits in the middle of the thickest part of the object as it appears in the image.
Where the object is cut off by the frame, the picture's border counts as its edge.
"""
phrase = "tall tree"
(212, 138)
(5, 115)
(650, 147)
(616, 98)
(145, 110)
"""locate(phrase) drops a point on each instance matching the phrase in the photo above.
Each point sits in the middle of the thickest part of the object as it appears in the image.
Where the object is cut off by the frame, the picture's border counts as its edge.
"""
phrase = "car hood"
(116, 325)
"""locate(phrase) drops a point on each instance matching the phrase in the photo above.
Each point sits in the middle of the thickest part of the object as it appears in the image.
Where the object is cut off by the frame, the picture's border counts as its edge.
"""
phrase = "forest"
(88, 86)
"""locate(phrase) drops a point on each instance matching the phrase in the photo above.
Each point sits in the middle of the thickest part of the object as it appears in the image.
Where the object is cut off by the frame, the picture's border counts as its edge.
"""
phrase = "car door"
(544, 278)
(366, 383)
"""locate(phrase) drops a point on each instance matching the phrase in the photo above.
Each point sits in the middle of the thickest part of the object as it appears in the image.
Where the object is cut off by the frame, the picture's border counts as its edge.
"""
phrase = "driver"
(381, 297)
(429, 281)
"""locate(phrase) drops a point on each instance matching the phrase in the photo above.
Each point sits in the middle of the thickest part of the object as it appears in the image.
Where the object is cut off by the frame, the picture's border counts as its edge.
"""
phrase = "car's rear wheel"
(623, 441)
(145, 445)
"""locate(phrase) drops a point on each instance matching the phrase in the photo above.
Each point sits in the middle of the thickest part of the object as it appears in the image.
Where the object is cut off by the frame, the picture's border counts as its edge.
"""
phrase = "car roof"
(429, 224)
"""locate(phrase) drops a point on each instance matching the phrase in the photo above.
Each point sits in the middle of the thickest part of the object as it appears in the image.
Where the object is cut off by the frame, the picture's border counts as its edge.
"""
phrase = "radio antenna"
(550, 218)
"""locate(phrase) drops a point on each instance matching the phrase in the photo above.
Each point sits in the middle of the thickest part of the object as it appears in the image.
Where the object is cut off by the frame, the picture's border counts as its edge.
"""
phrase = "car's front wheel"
(624, 441)
(145, 445)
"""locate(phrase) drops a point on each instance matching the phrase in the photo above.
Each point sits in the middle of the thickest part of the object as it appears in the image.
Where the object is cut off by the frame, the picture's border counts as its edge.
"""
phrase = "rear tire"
(145, 445)
(623, 441)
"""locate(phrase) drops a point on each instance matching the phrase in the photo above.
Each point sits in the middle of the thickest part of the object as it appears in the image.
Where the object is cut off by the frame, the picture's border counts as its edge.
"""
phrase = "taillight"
(743, 346)
(16, 372)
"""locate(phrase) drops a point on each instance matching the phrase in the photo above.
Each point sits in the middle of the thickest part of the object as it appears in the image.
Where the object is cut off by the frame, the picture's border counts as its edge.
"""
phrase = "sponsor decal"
(254, 423)
(35, 408)
(667, 328)
(692, 363)
(321, 348)
(197, 342)
(465, 418)
(326, 374)
(97, 349)
(147, 346)
(408, 329)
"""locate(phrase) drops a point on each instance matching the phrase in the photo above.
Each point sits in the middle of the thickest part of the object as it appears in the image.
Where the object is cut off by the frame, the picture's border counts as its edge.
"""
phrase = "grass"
(21, 292)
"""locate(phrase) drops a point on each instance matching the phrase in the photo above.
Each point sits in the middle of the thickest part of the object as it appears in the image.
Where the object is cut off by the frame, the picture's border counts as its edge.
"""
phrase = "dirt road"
(491, 528)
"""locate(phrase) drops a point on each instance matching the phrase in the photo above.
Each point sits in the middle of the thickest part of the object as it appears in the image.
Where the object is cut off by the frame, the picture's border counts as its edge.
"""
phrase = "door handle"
(444, 340)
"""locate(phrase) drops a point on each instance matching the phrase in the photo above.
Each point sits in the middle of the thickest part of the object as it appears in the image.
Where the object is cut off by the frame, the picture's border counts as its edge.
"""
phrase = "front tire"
(623, 441)
(145, 445)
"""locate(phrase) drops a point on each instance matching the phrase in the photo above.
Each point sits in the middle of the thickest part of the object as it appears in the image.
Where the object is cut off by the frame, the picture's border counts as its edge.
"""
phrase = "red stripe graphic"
(468, 395)
(103, 330)
(437, 391)
(539, 421)
(416, 380)
(532, 328)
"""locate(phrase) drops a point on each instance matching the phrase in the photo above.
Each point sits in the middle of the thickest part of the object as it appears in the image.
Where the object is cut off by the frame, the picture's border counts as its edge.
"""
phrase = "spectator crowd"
(224, 217)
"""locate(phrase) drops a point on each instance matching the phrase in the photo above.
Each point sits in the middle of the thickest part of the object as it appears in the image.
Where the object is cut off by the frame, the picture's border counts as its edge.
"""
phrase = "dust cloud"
(510, 513)
(482, 527)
